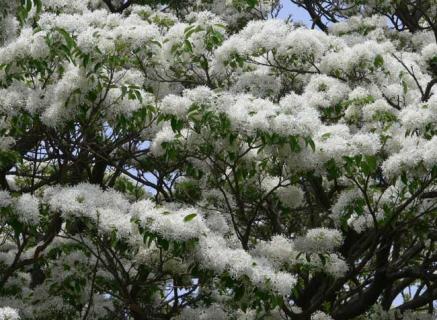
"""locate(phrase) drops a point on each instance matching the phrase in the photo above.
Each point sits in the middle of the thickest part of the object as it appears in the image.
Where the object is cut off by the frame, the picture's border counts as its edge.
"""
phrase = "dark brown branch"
(427, 94)
(115, 9)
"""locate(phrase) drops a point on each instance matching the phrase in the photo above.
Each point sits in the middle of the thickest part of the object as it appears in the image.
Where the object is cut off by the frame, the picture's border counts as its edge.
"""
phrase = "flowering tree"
(203, 160)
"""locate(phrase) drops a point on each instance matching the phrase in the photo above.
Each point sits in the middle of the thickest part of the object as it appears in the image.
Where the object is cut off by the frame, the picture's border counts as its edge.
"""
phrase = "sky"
(297, 14)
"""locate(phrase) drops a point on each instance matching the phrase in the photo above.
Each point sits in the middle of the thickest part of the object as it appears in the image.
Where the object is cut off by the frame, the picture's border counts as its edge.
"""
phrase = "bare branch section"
(119, 7)
(403, 15)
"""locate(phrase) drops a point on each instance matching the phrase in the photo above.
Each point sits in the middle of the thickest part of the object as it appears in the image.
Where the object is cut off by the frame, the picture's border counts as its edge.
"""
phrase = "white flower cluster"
(323, 91)
(378, 108)
(248, 113)
(27, 207)
(356, 60)
(214, 254)
(319, 240)
(415, 152)
(169, 223)
(283, 252)
(419, 116)
(165, 135)
(5, 199)
(291, 196)
(260, 82)
(279, 250)
(345, 199)
(66, 6)
(66, 95)
(212, 312)
(319, 315)
(257, 35)
(175, 105)
(98, 33)
(336, 141)
(9, 26)
(429, 52)
(299, 46)
(360, 222)
(109, 209)
(27, 44)
(358, 24)
(380, 314)
(7, 313)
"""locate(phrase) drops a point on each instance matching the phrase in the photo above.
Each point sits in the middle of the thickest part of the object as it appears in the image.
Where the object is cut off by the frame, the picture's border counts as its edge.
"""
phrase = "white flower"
(27, 207)
(429, 52)
(175, 105)
(419, 116)
(319, 240)
(86, 200)
(278, 250)
(379, 107)
(430, 153)
(356, 59)
(176, 224)
(414, 152)
(360, 222)
(6, 143)
(290, 196)
(7, 313)
(213, 312)
(323, 91)
(199, 95)
(66, 6)
(335, 266)
(256, 35)
(358, 23)
(345, 199)
(365, 143)
(38, 47)
(5, 199)
(216, 255)
(319, 315)
(259, 83)
(305, 44)
(166, 134)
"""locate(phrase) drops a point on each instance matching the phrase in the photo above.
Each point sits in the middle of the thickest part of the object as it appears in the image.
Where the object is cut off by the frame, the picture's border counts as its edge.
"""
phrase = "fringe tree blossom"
(205, 160)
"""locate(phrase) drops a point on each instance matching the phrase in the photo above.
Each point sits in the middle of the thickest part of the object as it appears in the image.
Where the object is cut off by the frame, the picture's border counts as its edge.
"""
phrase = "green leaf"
(326, 136)
(190, 217)
(176, 124)
(190, 30)
(188, 46)
(404, 178)
(38, 5)
(311, 143)
(404, 86)
(163, 243)
(252, 3)
(371, 163)
(68, 38)
(28, 5)
(16, 225)
(8, 158)
(379, 61)
(193, 113)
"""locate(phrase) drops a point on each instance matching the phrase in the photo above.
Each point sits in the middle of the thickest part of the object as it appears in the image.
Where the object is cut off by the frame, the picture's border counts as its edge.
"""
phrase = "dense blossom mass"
(206, 160)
